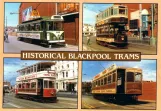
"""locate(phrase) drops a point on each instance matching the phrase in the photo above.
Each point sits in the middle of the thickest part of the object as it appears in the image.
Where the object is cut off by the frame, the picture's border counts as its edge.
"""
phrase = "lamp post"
(152, 39)
(6, 22)
(140, 8)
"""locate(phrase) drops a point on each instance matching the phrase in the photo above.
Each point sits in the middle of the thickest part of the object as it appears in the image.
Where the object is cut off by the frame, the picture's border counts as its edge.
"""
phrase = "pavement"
(15, 46)
(67, 94)
(10, 101)
(132, 47)
(88, 102)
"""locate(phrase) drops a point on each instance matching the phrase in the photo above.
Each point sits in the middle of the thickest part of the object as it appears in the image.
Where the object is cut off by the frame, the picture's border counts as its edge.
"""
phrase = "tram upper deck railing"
(111, 12)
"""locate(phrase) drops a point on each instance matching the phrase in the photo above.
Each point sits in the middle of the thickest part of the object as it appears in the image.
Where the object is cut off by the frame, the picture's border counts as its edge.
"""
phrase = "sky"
(12, 19)
(91, 10)
(11, 65)
(92, 68)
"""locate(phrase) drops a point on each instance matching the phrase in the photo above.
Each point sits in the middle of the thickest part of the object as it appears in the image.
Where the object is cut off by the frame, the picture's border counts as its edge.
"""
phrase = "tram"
(42, 30)
(118, 84)
(111, 27)
(6, 88)
(36, 82)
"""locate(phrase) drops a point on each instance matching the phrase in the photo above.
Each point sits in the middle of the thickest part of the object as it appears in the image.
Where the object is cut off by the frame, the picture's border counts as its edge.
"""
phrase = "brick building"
(146, 13)
(69, 11)
(149, 91)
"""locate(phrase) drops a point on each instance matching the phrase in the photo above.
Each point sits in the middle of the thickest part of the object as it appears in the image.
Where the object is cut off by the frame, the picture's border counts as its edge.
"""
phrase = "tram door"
(121, 81)
(40, 86)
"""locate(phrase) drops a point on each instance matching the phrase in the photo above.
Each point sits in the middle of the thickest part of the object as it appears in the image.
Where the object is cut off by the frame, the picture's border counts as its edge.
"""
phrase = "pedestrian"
(88, 40)
(6, 35)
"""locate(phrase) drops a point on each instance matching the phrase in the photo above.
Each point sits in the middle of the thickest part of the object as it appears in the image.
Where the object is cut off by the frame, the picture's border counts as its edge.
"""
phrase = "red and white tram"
(36, 82)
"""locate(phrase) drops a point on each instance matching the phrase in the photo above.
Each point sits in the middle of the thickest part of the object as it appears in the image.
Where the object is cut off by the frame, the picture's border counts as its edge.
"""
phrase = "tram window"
(109, 79)
(45, 84)
(23, 85)
(32, 28)
(98, 82)
(137, 77)
(107, 13)
(105, 80)
(114, 77)
(130, 76)
(121, 11)
(111, 11)
(28, 85)
(51, 84)
(33, 85)
(115, 11)
(50, 25)
(19, 85)
(101, 81)
(37, 27)
(58, 26)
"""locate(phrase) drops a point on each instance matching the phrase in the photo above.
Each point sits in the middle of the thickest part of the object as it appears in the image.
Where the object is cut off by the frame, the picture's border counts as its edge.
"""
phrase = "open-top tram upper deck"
(37, 80)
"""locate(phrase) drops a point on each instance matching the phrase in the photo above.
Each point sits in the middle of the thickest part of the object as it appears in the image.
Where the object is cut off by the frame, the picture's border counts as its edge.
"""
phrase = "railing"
(145, 40)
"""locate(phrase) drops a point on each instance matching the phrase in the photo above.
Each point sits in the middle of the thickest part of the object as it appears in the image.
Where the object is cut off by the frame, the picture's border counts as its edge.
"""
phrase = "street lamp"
(140, 14)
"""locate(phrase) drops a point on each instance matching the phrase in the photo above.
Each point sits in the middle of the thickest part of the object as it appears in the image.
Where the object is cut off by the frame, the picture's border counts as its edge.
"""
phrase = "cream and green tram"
(46, 31)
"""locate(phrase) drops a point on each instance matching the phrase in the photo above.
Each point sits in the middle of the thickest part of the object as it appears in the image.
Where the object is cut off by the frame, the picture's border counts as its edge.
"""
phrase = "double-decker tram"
(42, 30)
(36, 82)
(118, 84)
(111, 27)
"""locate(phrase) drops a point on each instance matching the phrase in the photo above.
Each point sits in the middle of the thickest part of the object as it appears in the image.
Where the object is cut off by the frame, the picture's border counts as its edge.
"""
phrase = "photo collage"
(82, 28)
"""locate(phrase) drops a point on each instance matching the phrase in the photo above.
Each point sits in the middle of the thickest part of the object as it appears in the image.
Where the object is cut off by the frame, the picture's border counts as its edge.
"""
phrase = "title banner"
(82, 55)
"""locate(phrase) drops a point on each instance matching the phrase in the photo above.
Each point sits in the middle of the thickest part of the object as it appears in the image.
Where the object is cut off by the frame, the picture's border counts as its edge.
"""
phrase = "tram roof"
(111, 69)
(41, 63)
(37, 20)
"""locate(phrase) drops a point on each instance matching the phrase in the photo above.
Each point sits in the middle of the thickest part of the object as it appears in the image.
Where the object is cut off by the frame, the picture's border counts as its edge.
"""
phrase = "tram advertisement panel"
(29, 35)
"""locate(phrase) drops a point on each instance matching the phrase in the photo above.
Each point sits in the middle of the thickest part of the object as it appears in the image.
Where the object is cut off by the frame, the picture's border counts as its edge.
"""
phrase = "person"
(88, 40)
(6, 35)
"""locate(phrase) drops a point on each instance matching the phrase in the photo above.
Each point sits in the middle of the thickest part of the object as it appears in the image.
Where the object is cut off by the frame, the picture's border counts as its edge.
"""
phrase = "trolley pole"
(56, 11)
(6, 22)
(152, 39)
(140, 7)
(152, 19)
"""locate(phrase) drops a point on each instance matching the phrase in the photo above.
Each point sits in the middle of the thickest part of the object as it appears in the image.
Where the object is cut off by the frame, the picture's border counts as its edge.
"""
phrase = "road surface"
(15, 46)
(62, 103)
(88, 102)
(144, 49)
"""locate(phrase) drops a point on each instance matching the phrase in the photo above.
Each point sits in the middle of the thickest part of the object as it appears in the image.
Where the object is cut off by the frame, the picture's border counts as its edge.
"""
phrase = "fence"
(137, 40)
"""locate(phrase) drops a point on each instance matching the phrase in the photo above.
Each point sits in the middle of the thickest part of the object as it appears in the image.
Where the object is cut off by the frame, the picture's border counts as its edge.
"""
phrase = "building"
(149, 91)
(6, 83)
(86, 87)
(67, 75)
(89, 30)
(145, 10)
(69, 11)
